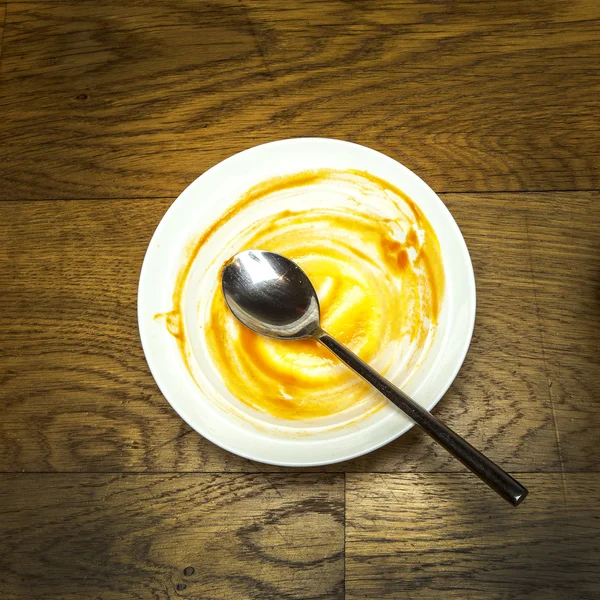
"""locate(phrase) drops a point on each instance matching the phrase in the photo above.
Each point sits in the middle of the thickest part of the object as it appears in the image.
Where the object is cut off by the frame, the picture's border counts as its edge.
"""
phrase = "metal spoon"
(272, 295)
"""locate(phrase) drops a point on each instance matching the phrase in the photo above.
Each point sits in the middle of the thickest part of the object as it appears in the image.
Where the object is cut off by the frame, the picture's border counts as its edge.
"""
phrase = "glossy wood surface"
(108, 110)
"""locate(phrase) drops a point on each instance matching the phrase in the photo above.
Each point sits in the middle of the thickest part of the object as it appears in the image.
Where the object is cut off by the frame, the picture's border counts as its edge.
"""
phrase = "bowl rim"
(157, 370)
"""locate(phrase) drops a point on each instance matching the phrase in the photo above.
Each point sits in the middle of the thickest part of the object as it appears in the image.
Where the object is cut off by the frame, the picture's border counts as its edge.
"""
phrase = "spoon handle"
(489, 472)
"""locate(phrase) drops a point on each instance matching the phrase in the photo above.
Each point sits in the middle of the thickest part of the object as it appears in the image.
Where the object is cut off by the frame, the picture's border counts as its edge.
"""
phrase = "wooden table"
(108, 110)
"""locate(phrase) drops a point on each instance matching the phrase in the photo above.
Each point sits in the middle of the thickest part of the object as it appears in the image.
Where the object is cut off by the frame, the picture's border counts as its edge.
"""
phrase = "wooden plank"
(77, 394)
(500, 399)
(565, 243)
(430, 536)
(2, 19)
(136, 99)
(115, 537)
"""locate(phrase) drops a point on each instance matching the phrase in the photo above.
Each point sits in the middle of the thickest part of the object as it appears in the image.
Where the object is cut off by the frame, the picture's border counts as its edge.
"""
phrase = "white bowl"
(268, 441)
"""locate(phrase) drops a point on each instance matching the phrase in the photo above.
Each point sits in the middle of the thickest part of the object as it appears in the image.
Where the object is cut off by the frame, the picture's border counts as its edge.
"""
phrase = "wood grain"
(135, 99)
(2, 19)
(438, 536)
(565, 247)
(217, 537)
(500, 399)
(109, 110)
(76, 390)
(77, 394)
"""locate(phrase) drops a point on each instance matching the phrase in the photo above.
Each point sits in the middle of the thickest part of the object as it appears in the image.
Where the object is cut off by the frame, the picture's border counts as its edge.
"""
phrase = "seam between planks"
(173, 198)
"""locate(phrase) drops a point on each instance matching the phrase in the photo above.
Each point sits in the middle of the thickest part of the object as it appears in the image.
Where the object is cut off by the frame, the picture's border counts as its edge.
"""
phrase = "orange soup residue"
(379, 279)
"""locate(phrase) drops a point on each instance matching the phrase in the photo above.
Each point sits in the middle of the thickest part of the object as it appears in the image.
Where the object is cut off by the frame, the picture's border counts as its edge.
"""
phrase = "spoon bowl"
(271, 295)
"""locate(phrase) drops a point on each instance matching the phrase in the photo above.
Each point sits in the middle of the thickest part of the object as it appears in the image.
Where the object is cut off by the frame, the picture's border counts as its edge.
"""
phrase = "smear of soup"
(377, 270)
